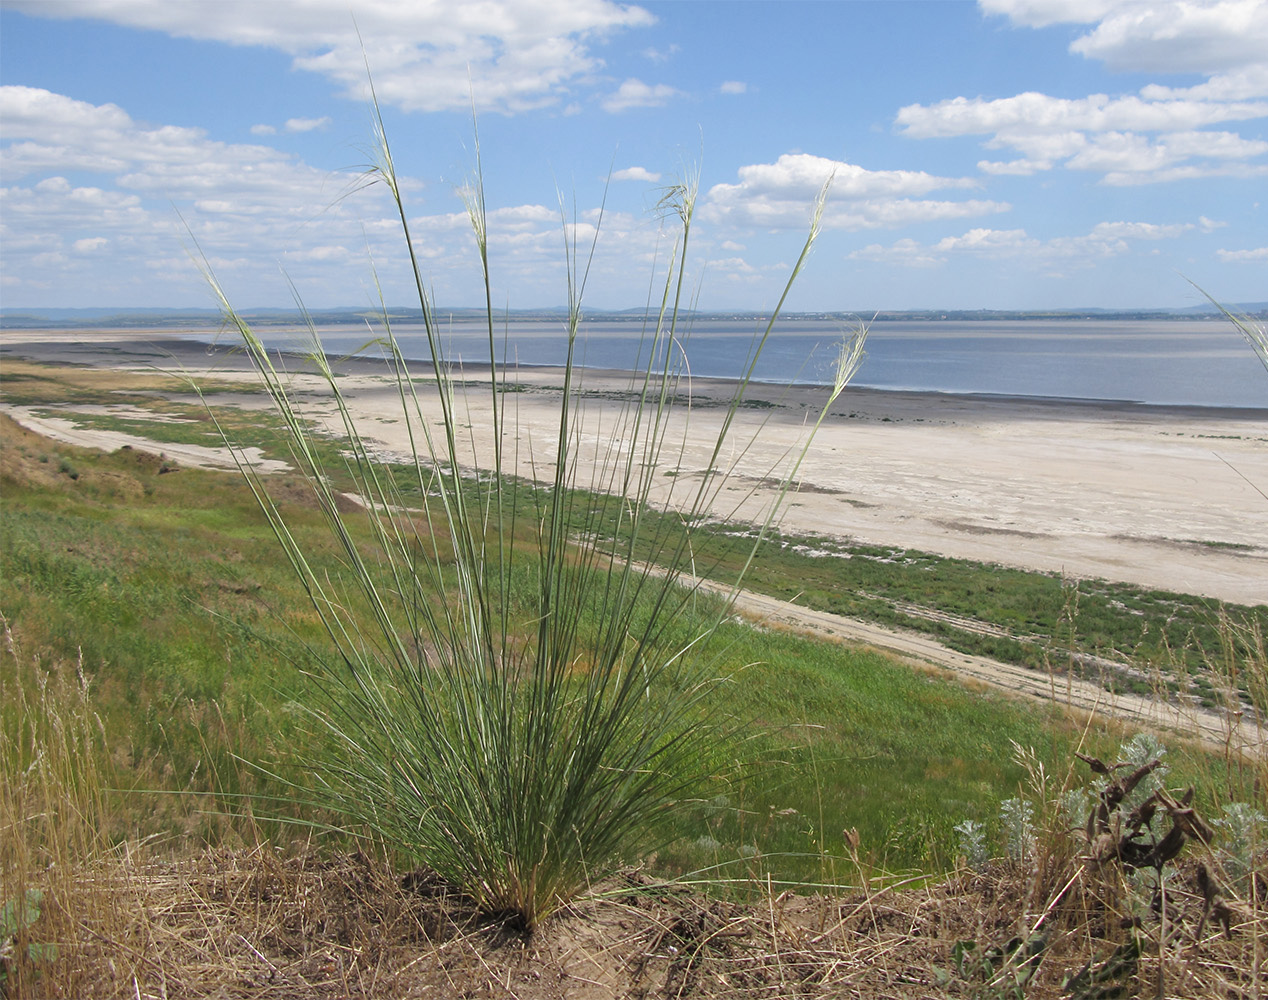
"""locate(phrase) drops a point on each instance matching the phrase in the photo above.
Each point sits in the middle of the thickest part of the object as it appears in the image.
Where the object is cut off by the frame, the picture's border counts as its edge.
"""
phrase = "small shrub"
(1017, 820)
(1244, 837)
(972, 844)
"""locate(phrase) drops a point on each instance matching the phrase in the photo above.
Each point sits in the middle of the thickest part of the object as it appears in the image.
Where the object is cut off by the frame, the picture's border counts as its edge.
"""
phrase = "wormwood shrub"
(519, 739)
(1122, 883)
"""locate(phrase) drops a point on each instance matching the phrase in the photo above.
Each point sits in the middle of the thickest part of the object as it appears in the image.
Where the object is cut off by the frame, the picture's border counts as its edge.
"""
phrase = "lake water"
(1199, 362)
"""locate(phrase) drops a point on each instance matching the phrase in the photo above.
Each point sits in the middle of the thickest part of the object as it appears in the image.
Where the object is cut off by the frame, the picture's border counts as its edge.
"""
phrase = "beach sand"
(1174, 498)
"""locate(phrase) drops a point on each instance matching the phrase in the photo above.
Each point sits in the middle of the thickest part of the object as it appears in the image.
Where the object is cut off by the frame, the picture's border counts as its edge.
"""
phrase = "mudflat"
(1167, 497)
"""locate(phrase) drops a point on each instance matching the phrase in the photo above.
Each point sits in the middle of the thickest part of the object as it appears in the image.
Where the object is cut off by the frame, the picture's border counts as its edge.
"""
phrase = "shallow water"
(1196, 362)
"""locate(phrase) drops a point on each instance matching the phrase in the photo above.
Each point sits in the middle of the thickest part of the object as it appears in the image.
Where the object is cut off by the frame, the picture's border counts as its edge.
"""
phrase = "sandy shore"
(1166, 497)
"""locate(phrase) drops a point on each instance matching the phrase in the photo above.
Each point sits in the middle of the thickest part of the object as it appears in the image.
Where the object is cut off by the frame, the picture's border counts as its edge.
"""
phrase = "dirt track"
(1212, 727)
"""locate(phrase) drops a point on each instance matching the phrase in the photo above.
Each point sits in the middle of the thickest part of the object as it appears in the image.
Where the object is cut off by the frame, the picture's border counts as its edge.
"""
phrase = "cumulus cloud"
(778, 195)
(240, 201)
(306, 124)
(517, 54)
(1186, 36)
(1255, 256)
(1014, 168)
(88, 211)
(635, 174)
(906, 252)
(1140, 230)
(1179, 36)
(1158, 134)
(733, 87)
(1106, 239)
(660, 55)
(50, 132)
(634, 93)
(1129, 158)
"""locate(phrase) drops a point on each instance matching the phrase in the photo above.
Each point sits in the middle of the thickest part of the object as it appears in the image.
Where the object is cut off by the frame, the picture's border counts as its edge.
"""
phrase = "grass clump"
(513, 692)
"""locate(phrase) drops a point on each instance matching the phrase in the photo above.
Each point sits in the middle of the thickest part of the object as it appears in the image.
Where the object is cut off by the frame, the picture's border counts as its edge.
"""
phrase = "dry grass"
(262, 924)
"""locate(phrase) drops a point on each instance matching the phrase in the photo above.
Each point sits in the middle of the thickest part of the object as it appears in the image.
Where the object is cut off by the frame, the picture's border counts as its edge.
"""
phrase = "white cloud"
(733, 87)
(250, 208)
(1180, 36)
(1106, 239)
(779, 195)
(1036, 114)
(263, 130)
(1041, 13)
(306, 124)
(634, 93)
(635, 174)
(1151, 136)
(1097, 133)
(733, 264)
(1186, 36)
(239, 201)
(1015, 168)
(322, 253)
(57, 133)
(660, 55)
(994, 242)
(1239, 85)
(1140, 230)
(906, 252)
(1130, 158)
(517, 54)
(1243, 256)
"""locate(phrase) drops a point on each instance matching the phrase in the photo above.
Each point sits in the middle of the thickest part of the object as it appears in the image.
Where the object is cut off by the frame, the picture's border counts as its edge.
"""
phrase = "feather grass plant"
(1255, 332)
(516, 690)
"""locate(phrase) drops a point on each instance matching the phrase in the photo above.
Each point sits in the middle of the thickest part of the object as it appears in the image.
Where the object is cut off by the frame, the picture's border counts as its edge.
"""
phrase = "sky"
(1004, 154)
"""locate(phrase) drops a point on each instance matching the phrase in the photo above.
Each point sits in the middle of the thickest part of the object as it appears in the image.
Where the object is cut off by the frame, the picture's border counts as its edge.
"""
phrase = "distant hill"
(114, 318)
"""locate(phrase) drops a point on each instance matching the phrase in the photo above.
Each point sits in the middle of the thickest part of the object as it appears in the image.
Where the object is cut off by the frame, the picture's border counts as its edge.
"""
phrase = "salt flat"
(1174, 498)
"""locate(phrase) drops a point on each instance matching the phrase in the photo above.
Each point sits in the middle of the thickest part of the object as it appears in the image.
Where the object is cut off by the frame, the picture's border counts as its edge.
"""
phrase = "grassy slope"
(172, 587)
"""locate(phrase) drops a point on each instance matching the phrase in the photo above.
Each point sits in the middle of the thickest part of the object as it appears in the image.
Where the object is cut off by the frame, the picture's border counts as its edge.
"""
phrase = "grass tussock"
(514, 678)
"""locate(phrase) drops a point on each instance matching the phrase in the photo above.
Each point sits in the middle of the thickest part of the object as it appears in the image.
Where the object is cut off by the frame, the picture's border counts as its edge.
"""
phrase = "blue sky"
(1008, 154)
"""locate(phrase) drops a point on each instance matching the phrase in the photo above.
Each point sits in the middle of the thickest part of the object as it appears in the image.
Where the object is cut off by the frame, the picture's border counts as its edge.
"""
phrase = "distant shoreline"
(52, 318)
(193, 350)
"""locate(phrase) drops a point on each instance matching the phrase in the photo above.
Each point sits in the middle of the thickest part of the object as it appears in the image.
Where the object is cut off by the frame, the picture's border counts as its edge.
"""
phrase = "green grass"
(192, 627)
